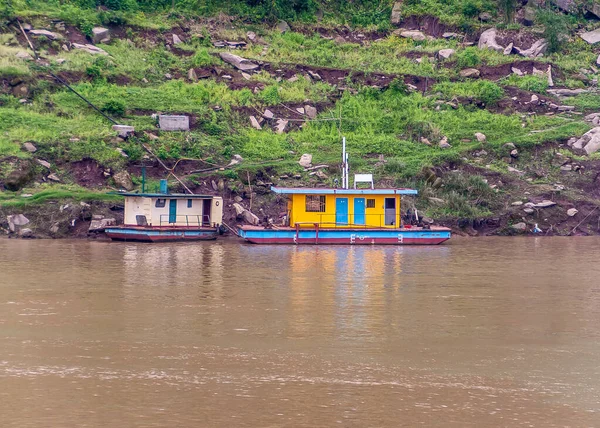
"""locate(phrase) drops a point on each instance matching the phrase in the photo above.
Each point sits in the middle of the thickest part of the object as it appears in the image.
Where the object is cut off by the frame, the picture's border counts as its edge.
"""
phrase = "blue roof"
(325, 191)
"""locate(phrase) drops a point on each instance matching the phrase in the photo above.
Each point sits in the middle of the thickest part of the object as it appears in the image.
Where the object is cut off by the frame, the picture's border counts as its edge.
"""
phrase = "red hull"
(115, 236)
(344, 241)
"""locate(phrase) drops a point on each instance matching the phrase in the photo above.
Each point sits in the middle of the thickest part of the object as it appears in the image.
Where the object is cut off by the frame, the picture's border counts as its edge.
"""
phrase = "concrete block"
(174, 123)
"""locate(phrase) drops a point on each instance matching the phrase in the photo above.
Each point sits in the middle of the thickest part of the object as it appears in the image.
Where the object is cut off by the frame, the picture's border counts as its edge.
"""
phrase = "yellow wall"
(373, 216)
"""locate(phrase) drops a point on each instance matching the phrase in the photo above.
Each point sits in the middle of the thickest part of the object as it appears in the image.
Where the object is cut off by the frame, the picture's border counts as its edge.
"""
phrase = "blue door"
(341, 210)
(359, 210)
(173, 211)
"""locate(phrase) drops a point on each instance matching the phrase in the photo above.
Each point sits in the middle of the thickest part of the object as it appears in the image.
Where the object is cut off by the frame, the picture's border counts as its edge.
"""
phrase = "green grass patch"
(55, 193)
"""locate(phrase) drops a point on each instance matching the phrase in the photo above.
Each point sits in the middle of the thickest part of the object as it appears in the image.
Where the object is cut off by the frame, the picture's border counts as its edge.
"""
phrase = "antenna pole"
(344, 157)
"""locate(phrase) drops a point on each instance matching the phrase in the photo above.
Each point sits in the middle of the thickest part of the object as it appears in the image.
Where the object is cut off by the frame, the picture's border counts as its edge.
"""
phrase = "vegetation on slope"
(394, 98)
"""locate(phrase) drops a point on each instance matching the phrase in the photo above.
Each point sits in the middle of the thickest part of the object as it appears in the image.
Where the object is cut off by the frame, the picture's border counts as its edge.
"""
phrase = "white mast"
(345, 171)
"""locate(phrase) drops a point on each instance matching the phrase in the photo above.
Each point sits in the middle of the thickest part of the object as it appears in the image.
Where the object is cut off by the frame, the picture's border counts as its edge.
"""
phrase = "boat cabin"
(344, 208)
(172, 209)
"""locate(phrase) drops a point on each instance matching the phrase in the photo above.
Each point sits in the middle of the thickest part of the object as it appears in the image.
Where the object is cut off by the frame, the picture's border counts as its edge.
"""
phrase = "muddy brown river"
(490, 332)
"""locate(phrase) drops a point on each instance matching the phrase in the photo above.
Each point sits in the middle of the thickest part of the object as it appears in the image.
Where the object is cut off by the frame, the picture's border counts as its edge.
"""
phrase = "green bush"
(555, 28)
(114, 108)
(468, 58)
(202, 58)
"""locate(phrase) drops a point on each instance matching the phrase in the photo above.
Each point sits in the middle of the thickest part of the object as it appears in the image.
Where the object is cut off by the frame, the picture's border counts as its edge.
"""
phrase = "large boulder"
(305, 160)
(538, 48)
(237, 61)
(98, 225)
(413, 34)
(45, 33)
(591, 37)
(123, 180)
(446, 53)
(488, 40)
(15, 221)
(250, 218)
(471, 73)
(590, 141)
(100, 35)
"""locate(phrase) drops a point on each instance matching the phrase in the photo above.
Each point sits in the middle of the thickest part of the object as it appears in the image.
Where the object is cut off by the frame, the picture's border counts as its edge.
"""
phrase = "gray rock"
(123, 180)
(488, 40)
(268, 114)
(238, 199)
(26, 233)
(237, 61)
(396, 16)
(598, 60)
(305, 160)
(529, 210)
(237, 159)
(590, 141)
(54, 177)
(472, 73)
(446, 53)
(293, 79)
(516, 71)
(517, 203)
(572, 212)
(534, 99)
(16, 220)
(545, 204)
(26, 56)
(176, 40)
(29, 147)
(567, 92)
(520, 227)
(124, 131)
(480, 137)
(91, 49)
(415, 35)
(283, 27)
(239, 210)
(314, 76)
(449, 35)
(514, 153)
(280, 126)
(515, 171)
(251, 36)
(443, 144)
(510, 146)
(250, 218)
(255, 123)
(591, 37)
(310, 111)
(192, 75)
(101, 224)
(508, 50)
(174, 122)
(48, 34)
(538, 48)
(44, 163)
(100, 34)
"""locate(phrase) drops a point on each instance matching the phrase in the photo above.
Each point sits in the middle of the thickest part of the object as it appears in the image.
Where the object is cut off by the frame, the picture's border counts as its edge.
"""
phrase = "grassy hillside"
(393, 97)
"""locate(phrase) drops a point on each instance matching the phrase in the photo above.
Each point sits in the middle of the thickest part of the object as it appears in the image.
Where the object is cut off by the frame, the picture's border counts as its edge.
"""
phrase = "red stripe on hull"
(145, 238)
(345, 241)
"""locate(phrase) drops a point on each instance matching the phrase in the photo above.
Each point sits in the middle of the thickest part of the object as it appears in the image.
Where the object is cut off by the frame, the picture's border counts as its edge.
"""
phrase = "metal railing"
(184, 220)
(370, 220)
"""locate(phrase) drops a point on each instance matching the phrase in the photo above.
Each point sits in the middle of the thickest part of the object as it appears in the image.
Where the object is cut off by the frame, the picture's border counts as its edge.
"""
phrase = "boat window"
(190, 203)
(370, 203)
(315, 204)
(160, 203)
